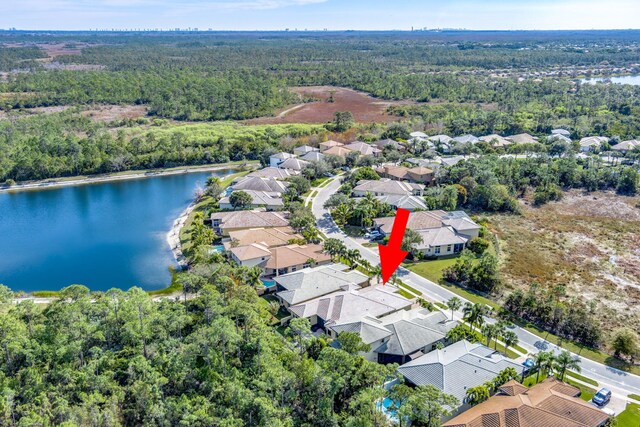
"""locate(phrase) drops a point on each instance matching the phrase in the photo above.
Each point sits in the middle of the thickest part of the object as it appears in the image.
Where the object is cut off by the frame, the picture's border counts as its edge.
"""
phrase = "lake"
(629, 80)
(104, 235)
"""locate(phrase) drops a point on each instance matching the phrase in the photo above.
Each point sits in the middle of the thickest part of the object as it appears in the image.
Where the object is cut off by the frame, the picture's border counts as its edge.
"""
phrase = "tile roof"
(539, 406)
(561, 132)
(281, 156)
(252, 251)
(368, 329)
(292, 255)
(420, 170)
(559, 138)
(256, 183)
(268, 237)
(258, 198)
(456, 368)
(294, 164)
(387, 186)
(496, 140)
(276, 173)
(330, 143)
(304, 149)
(626, 145)
(441, 138)
(409, 203)
(465, 139)
(385, 142)
(363, 148)
(337, 151)
(439, 237)
(313, 156)
(314, 282)
(593, 141)
(352, 305)
(418, 134)
(522, 138)
(409, 335)
(250, 219)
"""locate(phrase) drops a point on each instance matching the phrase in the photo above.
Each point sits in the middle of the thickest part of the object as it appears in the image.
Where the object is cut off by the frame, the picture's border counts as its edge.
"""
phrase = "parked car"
(374, 235)
(602, 397)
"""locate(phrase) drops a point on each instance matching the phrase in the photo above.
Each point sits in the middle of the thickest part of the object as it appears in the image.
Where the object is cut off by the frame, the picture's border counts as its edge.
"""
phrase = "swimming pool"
(268, 283)
(218, 248)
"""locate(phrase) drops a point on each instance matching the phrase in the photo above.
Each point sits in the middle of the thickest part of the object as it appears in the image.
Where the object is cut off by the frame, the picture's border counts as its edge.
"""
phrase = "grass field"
(630, 417)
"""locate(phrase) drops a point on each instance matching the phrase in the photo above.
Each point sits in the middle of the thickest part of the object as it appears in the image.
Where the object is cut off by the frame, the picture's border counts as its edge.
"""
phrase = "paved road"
(619, 382)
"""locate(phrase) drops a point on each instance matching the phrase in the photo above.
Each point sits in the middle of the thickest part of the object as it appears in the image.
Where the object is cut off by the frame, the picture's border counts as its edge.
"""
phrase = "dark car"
(602, 397)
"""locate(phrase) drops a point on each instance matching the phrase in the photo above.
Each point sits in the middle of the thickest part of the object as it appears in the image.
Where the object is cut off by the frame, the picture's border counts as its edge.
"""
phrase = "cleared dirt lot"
(590, 243)
(365, 108)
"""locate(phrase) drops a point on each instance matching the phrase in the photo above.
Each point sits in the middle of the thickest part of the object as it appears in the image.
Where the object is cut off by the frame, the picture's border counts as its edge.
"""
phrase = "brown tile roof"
(513, 388)
(269, 237)
(337, 151)
(250, 219)
(540, 406)
(291, 255)
(330, 144)
(253, 251)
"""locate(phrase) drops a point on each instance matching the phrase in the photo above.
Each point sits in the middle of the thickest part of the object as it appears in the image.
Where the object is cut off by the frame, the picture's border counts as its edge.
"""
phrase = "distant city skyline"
(320, 14)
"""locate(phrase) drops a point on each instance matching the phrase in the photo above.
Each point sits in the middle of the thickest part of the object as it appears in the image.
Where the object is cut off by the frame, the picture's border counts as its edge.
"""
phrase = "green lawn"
(582, 378)
(629, 417)
(431, 270)
(635, 397)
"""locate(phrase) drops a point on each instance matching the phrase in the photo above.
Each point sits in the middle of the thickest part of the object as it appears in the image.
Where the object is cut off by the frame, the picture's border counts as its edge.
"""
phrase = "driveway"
(619, 382)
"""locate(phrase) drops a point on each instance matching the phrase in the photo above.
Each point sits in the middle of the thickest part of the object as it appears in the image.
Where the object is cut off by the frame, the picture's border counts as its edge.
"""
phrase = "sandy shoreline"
(100, 178)
(173, 236)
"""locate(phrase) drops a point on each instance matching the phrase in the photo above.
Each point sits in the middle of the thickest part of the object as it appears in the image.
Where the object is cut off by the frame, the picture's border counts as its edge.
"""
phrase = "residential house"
(304, 285)
(304, 149)
(268, 237)
(466, 139)
(410, 203)
(401, 336)
(386, 186)
(313, 157)
(421, 174)
(549, 403)
(290, 258)
(224, 223)
(277, 158)
(276, 173)
(255, 183)
(380, 144)
(592, 143)
(495, 140)
(457, 368)
(351, 305)
(556, 137)
(337, 150)
(562, 132)
(281, 259)
(443, 233)
(452, 160)
(418, 134)
(443, 142)
(269, 200)
(324, 146)
(294, 164)
(626, 146)
(522, 138)
(363, 148)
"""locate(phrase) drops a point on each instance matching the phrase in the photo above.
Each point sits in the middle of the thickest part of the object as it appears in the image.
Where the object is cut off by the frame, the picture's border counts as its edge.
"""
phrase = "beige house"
(496, 140)
(269, 200)
(337, 150)
(224, 223)
(592, 143)
(443, 233)
(522, 138)
(350, 305)
(386, 187)
(626, 146)
(276, 173)
(363, 148)
(324, 146)
(279, 260)
(268, 237)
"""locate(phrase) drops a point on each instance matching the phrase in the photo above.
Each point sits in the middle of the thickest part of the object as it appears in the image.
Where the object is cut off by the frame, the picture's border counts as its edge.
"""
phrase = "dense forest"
(459, 82)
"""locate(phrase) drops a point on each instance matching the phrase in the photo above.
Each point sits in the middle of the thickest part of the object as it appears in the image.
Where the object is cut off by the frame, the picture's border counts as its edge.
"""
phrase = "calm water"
(100, 235)
(629, 80)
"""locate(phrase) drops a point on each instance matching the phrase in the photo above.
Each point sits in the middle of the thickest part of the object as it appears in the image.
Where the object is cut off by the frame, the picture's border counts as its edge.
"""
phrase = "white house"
(386, 187)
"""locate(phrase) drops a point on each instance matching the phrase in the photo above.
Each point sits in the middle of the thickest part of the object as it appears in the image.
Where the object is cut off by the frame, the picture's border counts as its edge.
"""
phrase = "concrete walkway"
(621, 383)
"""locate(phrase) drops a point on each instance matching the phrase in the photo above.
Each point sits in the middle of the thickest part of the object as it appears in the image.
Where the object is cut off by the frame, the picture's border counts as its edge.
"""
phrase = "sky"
(319, 14)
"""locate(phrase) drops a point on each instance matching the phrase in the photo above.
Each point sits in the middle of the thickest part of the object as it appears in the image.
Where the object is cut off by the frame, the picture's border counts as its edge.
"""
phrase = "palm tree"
(474, 314)
(490, 332)
(543, 362)
(341, 214)
(376, 271)
(352, 256)
(454, 304)
(477, 394)
(565, 361)
(510, 339)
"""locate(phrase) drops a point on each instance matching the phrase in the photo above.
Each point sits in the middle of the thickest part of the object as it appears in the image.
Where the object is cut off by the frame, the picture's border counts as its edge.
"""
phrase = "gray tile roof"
(466, 139)
(457, 368)
(410, 203)
(313, 156)
(411, 333)
(256, 183)
(369, 332)
(314, 282)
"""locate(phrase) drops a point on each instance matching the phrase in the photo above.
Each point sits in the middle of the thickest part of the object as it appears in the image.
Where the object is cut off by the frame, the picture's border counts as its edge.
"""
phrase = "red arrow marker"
(391, 255)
